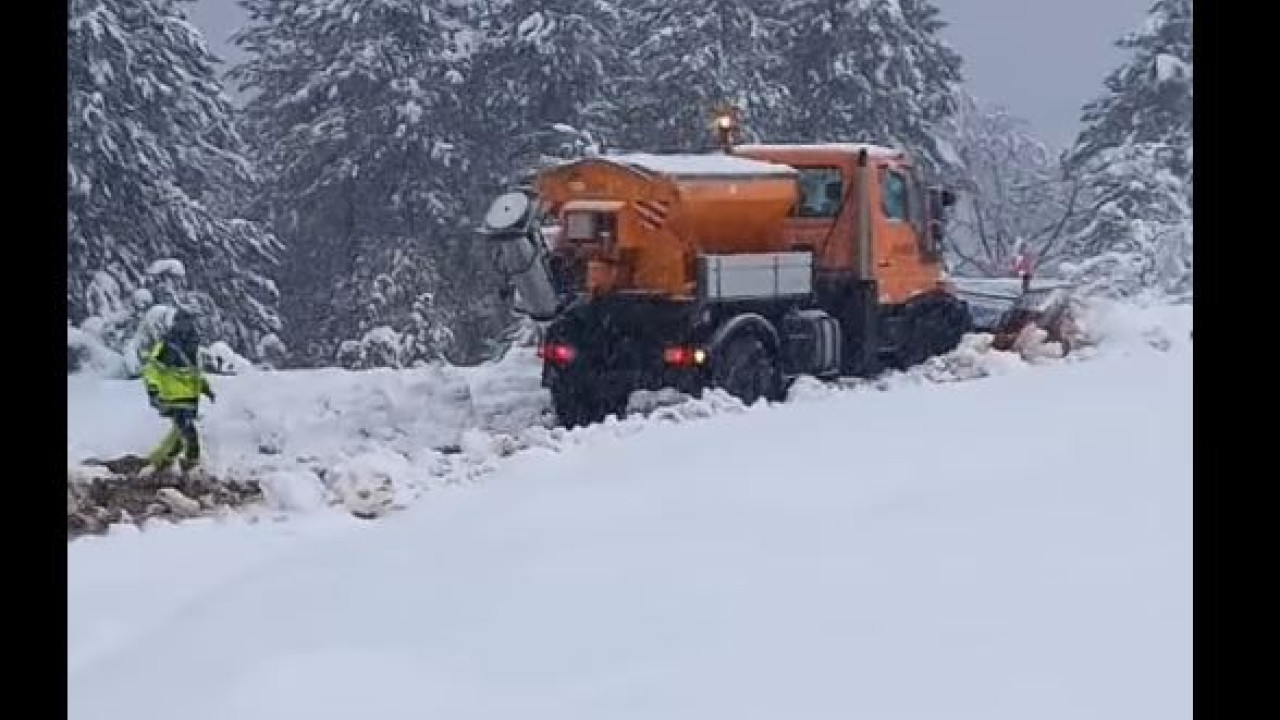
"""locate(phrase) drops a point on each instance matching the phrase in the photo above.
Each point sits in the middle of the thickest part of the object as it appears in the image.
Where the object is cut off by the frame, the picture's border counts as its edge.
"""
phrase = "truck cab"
(895, 241)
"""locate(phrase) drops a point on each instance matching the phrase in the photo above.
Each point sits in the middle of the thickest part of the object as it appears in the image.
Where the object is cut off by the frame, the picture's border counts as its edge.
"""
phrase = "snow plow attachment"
(1005, 310)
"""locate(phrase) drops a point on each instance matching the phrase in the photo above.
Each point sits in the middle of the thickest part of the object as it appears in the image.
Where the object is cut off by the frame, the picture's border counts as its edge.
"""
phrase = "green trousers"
(182, 439)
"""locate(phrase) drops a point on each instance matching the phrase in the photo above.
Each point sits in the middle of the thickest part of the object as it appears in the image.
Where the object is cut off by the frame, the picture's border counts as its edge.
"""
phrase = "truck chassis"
(597, 351)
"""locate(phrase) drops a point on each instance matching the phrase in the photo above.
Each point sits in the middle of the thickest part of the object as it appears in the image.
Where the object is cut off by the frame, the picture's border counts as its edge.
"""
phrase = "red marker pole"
(1022, 265)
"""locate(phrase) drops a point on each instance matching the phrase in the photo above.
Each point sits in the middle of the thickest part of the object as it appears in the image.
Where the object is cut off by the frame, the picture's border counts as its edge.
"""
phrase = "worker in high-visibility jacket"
(174, 383)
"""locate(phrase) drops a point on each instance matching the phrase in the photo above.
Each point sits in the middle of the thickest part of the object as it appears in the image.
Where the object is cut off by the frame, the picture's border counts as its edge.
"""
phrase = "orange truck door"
(896, 236)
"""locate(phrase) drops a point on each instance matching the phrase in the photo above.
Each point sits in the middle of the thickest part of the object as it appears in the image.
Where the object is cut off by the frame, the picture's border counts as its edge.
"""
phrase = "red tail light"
(558, 353)
(683, 356)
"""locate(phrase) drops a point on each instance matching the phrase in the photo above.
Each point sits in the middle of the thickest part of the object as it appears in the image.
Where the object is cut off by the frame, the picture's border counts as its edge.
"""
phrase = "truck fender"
(746, 322)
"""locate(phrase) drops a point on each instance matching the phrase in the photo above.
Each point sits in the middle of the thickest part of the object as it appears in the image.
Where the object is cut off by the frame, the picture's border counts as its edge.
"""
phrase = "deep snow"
(1017, 546)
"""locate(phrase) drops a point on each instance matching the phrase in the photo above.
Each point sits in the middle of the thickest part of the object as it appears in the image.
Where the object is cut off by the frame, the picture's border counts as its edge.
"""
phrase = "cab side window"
(821, 192)
(894, 195)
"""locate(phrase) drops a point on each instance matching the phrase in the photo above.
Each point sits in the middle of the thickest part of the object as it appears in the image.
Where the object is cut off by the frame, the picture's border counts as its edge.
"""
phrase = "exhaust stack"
(521, 253)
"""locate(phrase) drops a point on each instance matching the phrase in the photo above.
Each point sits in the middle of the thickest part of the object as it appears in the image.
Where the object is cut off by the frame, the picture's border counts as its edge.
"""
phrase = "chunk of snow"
(531, 27)
(220, 358)
(1125, 328)
(177, 502)
(948, 153)
(169, 266)
(270, 349)
(366, 484)
(296, 489)
(1169, 68)
(808, 389)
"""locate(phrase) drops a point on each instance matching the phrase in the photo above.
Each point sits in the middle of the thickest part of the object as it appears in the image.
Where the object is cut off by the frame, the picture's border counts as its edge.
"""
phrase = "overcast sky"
(1042, 59)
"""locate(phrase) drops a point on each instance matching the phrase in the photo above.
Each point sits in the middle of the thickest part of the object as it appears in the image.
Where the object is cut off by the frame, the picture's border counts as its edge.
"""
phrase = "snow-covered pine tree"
(150, 137)
(402, 325)
(537, 92)
(1134, 155)
(1012, 189)
(540, 83)
(355, 114)
(120, 327)
(872, 71)
(688, 59)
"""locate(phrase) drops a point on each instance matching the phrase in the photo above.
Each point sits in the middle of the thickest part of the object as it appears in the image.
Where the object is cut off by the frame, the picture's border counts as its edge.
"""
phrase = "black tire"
(933, 328)
(747, 370)
(915, 348)
(941, 326)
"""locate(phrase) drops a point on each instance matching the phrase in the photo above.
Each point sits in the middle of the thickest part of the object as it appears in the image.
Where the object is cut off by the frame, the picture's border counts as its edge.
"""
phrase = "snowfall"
(983, 537)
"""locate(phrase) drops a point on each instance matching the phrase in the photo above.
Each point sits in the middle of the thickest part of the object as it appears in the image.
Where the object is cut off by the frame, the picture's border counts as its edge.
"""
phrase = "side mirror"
(936, 238)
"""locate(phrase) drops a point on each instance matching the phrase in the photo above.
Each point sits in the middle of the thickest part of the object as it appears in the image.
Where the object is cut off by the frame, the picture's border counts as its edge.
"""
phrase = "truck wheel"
(912, 340)
(939, 327)
(747, 371)
(934, 329)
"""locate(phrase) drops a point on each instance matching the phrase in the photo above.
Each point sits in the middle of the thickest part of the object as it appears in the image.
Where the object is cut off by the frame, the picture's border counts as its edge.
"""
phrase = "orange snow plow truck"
(741, 270)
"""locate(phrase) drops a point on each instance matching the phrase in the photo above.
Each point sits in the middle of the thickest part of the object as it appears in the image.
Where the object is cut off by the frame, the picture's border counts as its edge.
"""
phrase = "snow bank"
(371, 440)
(1125, 328)
(508, 396)
(376, 440)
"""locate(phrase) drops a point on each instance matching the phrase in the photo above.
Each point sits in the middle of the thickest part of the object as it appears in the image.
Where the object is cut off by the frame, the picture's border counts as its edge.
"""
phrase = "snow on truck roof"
(686, 165)
(849, 147)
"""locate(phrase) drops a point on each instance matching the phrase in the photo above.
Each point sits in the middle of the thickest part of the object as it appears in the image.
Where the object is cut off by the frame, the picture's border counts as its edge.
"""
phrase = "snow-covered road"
(1014, 547)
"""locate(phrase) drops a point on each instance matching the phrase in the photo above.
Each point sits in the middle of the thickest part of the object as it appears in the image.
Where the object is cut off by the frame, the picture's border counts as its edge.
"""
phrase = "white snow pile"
(220, 358)
(167, 266)
(1126, 328)
(376, 440)
(368, 440)
(1169, 67)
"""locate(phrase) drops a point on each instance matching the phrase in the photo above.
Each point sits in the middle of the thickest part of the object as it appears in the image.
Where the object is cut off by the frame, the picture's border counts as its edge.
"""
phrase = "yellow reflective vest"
(171, 375)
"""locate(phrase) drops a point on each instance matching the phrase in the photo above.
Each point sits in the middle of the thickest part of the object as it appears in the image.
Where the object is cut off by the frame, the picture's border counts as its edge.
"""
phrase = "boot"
(157, 470)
